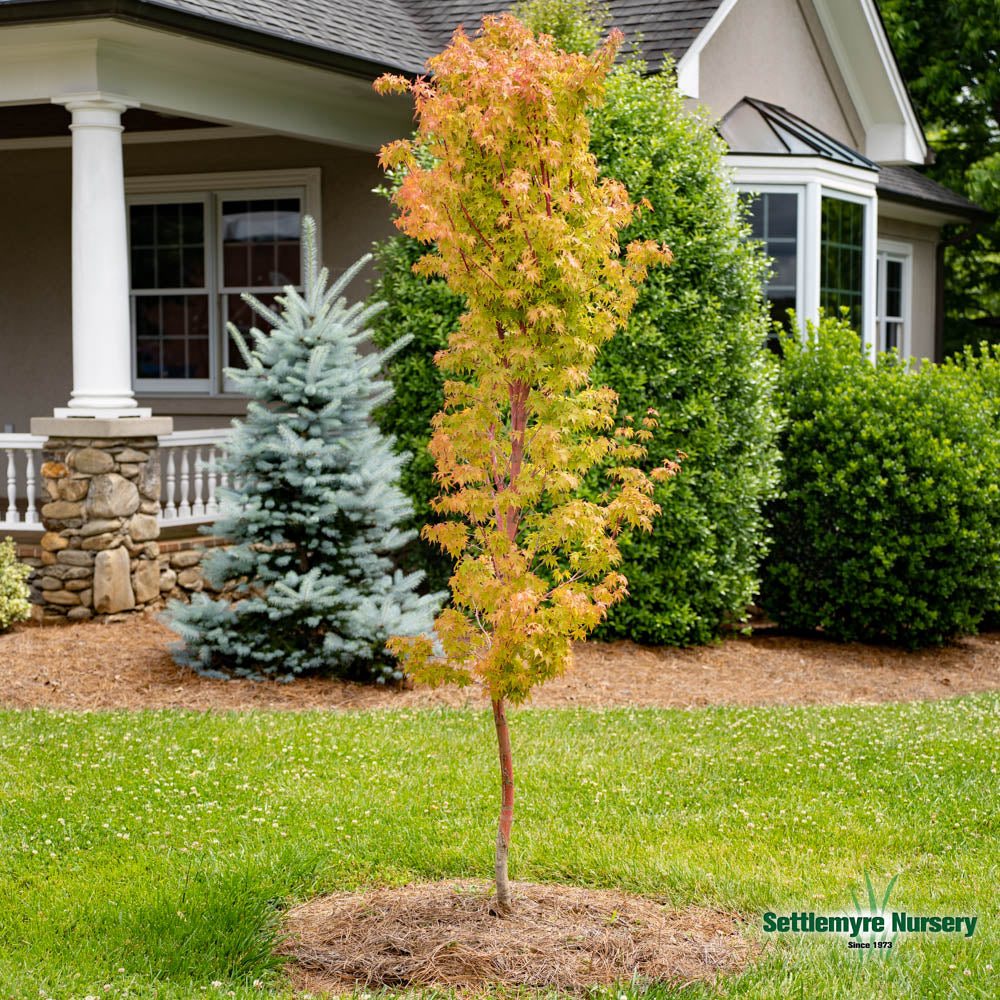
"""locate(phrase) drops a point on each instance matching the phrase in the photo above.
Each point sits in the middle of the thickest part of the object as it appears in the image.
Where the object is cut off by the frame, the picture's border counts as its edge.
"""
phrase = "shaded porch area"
(154, 178)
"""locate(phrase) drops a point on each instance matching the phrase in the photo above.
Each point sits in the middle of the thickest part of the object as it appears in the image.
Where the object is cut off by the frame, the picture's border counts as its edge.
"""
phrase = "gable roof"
(367, 36)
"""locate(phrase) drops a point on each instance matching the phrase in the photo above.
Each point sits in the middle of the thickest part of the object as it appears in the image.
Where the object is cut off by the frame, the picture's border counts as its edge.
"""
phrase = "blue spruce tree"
(313, 507)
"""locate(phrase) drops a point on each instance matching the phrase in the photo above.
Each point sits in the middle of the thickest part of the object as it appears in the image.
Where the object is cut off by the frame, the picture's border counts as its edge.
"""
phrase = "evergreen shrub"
(314, 507)
(885, 528)
(693, 349)
(14, 593)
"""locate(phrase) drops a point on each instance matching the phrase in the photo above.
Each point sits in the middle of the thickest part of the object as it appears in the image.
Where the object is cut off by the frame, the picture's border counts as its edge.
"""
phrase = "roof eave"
(151, 14)
(931, 204)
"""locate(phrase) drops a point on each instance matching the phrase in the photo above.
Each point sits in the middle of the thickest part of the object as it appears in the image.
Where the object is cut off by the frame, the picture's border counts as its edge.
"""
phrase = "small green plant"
(14, 593)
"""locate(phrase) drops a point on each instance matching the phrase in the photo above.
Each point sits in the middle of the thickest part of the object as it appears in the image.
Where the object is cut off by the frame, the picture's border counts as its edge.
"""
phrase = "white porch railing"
(22, 495)
(189, 477)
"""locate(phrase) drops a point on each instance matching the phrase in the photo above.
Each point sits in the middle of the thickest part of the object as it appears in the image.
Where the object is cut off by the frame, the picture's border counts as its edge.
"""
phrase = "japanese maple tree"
(521, 224)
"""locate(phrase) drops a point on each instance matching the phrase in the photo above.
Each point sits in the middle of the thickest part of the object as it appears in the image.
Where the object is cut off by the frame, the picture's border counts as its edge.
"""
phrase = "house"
(156, 158)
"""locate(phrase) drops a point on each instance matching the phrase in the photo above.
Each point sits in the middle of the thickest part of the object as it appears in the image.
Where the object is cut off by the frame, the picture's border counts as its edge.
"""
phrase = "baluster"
(184, 507)
(212, 507)
(31, 515)
(198, 507)
(11, 517)
(169, 505)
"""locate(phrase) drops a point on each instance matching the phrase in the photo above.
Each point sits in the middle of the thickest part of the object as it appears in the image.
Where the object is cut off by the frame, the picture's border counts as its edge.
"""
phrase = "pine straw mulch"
(125, 665)
(442, 934)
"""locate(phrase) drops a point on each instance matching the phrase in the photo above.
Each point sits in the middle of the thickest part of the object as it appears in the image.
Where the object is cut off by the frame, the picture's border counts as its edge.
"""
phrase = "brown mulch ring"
(125, 665)
(442, 934)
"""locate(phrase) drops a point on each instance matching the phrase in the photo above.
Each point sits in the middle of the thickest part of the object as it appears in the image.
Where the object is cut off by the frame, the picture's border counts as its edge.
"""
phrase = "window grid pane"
(172, 336)
(774, 220)
(259, 249)
(171, 304)
(261, 245)
(842, 259)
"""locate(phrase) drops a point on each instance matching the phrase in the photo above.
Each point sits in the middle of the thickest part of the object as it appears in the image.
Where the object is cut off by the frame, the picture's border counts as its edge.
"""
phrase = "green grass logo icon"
(875, 908)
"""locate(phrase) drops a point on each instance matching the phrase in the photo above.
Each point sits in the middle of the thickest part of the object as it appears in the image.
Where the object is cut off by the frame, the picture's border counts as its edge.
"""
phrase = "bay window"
(818, 230)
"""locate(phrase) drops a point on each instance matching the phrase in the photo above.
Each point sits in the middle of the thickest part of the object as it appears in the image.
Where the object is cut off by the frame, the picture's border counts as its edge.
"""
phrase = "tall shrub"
(885, 528)
(692, 349)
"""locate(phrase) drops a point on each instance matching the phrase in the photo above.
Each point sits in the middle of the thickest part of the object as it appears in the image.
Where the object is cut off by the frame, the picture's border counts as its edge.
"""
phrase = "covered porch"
(153, 176)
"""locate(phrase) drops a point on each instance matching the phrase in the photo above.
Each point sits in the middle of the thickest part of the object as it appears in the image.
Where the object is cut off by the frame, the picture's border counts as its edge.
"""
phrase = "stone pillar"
(102, 340)
(102, 482)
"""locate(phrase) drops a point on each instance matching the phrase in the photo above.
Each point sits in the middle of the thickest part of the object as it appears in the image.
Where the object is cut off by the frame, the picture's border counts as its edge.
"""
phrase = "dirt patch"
(442, 934)
(125, 665)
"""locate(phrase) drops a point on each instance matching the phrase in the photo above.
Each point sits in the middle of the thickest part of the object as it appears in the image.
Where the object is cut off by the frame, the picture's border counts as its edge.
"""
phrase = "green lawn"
(150, 855)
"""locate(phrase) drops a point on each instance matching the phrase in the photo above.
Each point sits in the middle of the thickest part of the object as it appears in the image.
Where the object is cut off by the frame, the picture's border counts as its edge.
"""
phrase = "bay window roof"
(759, 128)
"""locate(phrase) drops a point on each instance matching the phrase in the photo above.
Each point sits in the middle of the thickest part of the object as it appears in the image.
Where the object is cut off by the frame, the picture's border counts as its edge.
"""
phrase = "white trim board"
(689, 66)
(194, 78)
(769, 170)
(224, 132)
(859, 43)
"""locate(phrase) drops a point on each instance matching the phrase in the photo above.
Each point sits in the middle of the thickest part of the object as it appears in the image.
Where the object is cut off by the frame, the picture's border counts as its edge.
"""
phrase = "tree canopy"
(949, 54)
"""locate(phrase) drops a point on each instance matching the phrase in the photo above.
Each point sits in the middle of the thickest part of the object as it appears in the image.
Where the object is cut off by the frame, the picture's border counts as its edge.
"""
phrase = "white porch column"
(102, 340)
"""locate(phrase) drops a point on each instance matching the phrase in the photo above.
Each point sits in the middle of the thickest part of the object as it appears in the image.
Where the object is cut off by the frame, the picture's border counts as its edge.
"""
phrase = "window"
(842, 259)
(170, 294)
(774, 220)
(261, 253)
(892, 299)
(193, 253)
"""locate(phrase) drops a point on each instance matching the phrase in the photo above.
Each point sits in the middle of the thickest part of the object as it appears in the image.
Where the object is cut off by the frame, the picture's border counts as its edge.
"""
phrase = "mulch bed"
(125, 665)
(443, 935)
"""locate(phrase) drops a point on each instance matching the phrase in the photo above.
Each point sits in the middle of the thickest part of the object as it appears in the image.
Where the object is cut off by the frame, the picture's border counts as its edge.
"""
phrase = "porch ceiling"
(35, 121)
(195, 79)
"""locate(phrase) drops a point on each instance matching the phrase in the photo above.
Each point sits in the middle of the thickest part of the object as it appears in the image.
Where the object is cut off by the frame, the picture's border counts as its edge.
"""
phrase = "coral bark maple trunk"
(503, 899)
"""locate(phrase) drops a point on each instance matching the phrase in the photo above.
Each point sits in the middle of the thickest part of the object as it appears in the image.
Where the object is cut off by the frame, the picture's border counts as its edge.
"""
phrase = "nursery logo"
(873, 927)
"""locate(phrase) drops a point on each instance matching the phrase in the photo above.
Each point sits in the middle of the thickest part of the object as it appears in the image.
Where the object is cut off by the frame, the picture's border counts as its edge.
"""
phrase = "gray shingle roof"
(398, 34)
(385, 32)
(906, 185)
(663, 27)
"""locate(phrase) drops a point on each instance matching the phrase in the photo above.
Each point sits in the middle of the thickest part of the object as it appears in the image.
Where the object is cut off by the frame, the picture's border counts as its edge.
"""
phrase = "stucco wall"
(35, 370)
(924, 241)
(35, 309)
(773, 50)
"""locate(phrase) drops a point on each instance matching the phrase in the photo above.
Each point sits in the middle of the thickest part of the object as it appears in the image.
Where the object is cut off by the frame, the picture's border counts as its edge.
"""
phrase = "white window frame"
(303, 183)
(800, 265)
(816, 178)
(190, 385)
(870, 258)
(903, 253)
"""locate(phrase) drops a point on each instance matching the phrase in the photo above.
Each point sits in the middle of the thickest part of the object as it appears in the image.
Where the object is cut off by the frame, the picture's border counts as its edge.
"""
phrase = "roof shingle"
(404, 34)
(906, 185)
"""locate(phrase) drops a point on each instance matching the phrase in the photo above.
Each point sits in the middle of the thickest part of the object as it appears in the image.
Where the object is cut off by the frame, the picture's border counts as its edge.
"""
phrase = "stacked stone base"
(180, 576)
(180, 567)
(100, 554)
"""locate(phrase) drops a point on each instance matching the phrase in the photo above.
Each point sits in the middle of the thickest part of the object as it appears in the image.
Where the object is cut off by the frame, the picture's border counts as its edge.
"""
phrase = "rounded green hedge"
(693, 349)
(885, 528)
